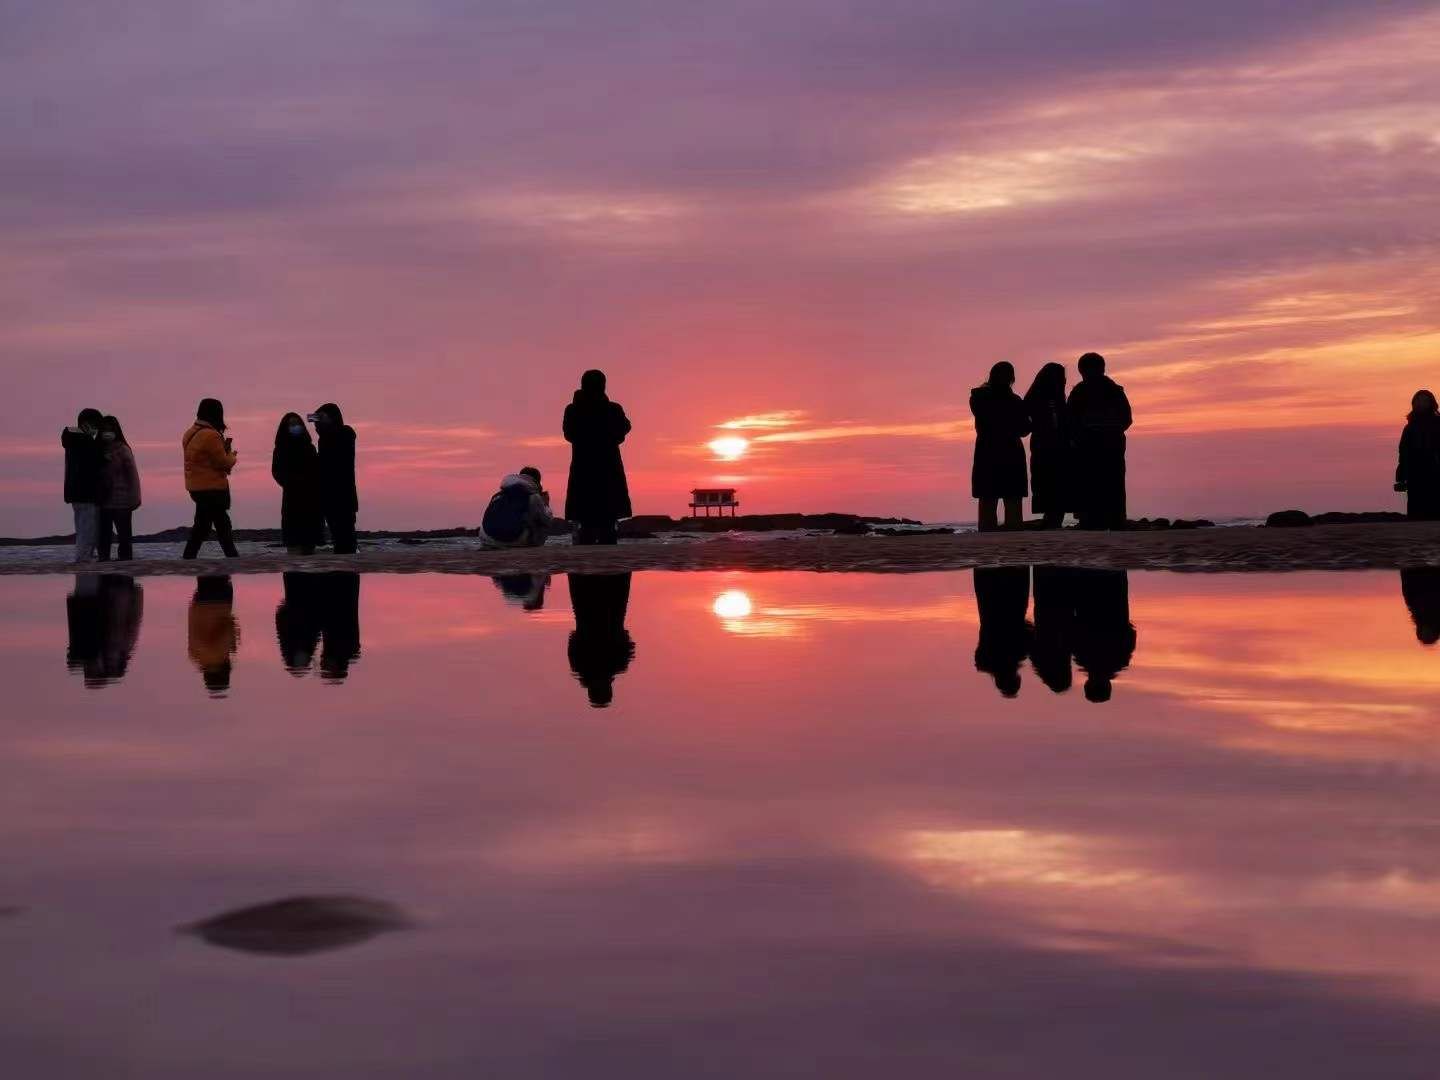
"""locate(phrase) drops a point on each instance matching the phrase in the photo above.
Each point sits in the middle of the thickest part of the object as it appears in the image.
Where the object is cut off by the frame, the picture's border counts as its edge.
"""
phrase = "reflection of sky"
(792, 837)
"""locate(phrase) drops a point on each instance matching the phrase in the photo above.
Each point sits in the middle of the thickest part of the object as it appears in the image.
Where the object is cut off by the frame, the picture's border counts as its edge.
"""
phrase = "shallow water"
(721, 825)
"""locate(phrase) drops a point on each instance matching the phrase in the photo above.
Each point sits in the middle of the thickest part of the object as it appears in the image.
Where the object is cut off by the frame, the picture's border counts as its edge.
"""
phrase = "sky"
(813, 225)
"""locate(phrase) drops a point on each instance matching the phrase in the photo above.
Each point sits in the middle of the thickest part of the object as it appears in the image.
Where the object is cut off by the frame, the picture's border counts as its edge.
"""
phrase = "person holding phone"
(209, 458)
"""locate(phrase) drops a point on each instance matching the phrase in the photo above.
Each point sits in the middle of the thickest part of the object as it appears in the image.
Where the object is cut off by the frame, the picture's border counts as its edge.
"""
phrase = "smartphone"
(312, 417)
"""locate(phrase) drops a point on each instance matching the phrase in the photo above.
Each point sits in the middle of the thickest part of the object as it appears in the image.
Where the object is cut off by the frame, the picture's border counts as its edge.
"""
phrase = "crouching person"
(519, 514)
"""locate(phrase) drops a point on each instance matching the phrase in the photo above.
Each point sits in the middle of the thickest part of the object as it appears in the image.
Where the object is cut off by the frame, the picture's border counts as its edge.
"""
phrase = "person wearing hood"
(119, 491)
(597, 495)
(600, 647)
(295, 466)
(1001, 424)
(339, 499)
(1049, 445)
(1418, 472)
(82, 480)
(209, 458)
(1099, 414)
(519, 514)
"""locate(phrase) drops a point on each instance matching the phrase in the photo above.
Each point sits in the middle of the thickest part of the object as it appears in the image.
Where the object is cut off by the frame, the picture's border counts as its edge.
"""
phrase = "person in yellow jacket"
(213, 631)
(209, 457)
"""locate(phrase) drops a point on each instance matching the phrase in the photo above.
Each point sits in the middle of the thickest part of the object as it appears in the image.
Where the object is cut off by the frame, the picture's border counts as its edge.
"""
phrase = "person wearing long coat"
(295, 466)
(339, 496)
(1099, 414)
(1418, 471)
(1001, 424)
(1050, 451)
(597, 495)
(119, 492)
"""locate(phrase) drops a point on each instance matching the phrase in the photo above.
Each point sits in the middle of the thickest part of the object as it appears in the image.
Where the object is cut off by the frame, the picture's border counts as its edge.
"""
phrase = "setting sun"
(732, 604)
(729, 447)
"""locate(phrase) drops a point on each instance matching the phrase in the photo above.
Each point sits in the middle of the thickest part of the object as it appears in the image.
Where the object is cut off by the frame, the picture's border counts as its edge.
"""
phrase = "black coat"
(1050, 454)
(1419, 466)
(84, 462)
(1001, 424)
(597, 492)
(295, 466)
(337, 470)
(1098, 414)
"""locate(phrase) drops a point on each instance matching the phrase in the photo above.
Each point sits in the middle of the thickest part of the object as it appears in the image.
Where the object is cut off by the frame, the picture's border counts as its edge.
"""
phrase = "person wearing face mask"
(296, 468)
(119, 491)
(82, 480)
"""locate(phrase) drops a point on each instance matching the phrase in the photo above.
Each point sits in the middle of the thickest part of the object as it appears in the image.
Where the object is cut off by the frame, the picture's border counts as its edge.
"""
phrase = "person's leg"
(1014, 514)
(200, 528)
(87, 522)
(105, 524)
(223, 530)
(342, 532)
(1054, 519)
(989, 519)
(609, 533)
(124, 526)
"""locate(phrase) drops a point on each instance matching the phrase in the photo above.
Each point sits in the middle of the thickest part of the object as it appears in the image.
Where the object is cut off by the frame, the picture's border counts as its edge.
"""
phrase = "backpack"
(508, 513)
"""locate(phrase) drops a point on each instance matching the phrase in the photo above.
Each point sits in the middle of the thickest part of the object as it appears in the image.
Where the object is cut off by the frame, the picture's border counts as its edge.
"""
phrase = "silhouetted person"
(1420, 586)
(597, 495)
(518, 515)
(600, 646)
(339, 499)
(527, 590)
(1050, 450)
(209, 458)
(298, 622)
(1054, 622)
(1001, 424)
(104, 614)
(1099, 415)
(339, 623)
(213, 635)
(1002, 595)
(82, 480)
(295, 466)
(1418, 473)
(119, 491)
(1104, 636)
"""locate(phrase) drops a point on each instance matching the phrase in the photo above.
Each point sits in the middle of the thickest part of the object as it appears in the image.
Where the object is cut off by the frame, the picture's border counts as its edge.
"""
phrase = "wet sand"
(1324, 547)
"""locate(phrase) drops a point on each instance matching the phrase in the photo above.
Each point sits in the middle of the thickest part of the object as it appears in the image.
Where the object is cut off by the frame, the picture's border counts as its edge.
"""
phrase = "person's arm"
(220, 457)
(540, 513)
(569, 425)
(1126, 416)
(622, 424)
(132, 474)
(277, 472)
(1022, 418)
(1402, 466)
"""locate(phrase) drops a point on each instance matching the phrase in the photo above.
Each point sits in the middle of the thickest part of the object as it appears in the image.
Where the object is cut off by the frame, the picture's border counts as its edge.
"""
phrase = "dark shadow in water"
(527, 590)
(319, 611)
(600, 646)
(213, 634)
(1002, 595)
(299, 925)
(1080, 613)
(1420, 586)
(104, 614)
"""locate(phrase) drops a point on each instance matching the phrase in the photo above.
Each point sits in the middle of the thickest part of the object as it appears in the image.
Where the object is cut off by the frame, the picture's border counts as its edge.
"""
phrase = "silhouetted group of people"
(102, 486)
(1077, 447)
(1080, 614)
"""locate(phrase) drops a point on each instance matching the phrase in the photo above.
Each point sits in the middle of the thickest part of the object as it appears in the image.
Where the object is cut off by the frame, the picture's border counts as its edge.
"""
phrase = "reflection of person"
(319, 610)
(339, 498)
(998, 472)
(597, 495)
(1049, 445)
(1099, 415)
(600, 646)
(295, 466)
(104, 614)
(1420, 586)
(119, 491)
(82, 480)
(527, 590)
(213, 633)
(1054, 615)
(1002, 594)
(518, 515)
(1418, 471)
(1105, 638)
(209, 458)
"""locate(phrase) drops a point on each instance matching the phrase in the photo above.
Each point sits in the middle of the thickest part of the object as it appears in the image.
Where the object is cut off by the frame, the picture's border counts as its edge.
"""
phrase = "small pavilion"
(717, 499)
